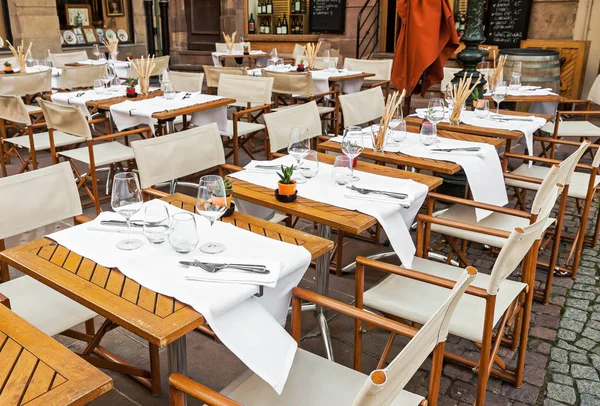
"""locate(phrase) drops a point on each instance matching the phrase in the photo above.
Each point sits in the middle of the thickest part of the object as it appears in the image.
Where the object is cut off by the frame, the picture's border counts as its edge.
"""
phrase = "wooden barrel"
(539, 67)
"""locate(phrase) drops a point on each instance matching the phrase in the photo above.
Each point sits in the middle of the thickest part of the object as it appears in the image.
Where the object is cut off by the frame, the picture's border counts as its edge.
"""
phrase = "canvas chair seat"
(104, 154)
(313, 380)
(244, 105)
(573, 129)
(577, 188)
(466, 214)
(41, 141)
(243, 128)
(32, 108)
(404, 298)
(45, 308)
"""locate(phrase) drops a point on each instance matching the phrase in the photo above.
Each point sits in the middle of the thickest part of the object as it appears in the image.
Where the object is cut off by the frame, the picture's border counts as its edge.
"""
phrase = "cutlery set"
(216, 267)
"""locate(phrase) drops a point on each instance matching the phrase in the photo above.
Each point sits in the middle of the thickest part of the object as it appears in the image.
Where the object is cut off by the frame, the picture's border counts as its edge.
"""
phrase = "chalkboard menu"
(507, 22)
(328, 16)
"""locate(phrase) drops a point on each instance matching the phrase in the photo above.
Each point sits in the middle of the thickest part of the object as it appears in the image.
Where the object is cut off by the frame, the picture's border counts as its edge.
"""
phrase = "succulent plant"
(228, 186)
(7, 64)
(131, 82)
(285, 176)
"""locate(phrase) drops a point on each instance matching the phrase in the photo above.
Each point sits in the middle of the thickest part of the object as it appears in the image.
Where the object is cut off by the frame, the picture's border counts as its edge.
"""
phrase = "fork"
(214, 268)
(363, 191)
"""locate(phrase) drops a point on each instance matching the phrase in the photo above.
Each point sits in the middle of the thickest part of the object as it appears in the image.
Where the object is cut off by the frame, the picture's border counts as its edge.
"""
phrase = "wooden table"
(397, 158)
(161, 320)
(327, 217)
(38, 371)
(531, 99)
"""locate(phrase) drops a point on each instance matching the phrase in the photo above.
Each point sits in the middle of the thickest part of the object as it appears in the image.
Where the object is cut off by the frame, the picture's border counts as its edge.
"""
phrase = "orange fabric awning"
(427, 39)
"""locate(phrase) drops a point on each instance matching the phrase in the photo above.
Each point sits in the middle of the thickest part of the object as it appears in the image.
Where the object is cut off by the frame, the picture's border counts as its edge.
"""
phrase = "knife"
(472, 149)
(122, 223)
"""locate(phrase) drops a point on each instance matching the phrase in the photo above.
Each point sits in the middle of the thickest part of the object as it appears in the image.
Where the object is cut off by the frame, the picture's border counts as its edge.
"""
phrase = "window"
(84, 22)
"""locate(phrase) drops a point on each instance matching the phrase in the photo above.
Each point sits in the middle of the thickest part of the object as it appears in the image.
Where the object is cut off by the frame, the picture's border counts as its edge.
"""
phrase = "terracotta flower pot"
(219, 201)
(287, 189)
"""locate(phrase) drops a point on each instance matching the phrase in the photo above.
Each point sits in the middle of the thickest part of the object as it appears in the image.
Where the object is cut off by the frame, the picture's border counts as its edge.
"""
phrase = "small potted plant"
(286, 188)
(130, 92)
(301, 67)
(246, 51)
(129, 55)
(8, 67)
(222, 197)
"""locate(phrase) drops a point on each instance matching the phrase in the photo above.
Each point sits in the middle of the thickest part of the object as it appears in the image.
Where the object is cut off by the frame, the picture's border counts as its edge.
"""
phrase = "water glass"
(448, 96)
(96, 51)
(165, 75)
(168, 90)
(397, 130)
(342, 170)
(298, 147)
(515, 82)
(102, 57)
(516, 69)
(211, 204)
(378, 143)
(482, 108)
(499, 93)
(157, 223)
(310, 165)
(274, 55)
(428, 134)
(352, 146)
(126, 199)
(435, 110)
(184, 234)
(98, 86)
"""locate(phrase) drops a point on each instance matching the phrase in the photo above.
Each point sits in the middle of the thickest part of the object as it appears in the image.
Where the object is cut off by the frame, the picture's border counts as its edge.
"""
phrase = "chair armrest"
(419, 276)
(577, 101)
(227, 168)
(321, 95)
(494, 232)
(4, 301)
(241, 113)
(98, 120)
(478, 205)
(380, 83)
(81, 219)
(578, 112)
(179, 384)
(354, 312)
(562, 142)
(154, 193)
(123, 134)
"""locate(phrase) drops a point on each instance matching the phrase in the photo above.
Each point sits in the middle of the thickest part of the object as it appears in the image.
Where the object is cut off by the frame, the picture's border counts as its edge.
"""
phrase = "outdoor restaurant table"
(326, 216)
(161, 320)
(36, 370)
(218, 57)
(397, 158)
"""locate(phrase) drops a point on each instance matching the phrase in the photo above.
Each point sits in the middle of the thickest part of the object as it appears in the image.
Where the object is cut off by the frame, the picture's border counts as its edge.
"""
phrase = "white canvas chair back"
(382, 68)
(299, 50)
(320, 61)
(11, 59)
(596, 160)
(594, 93)
(160, 63)
(187, 81)
(384, 385)
(281, 122)
(26, 83)
(517, 245)
(60, 60)
(213, 73)
(246, 89)
(567, 167)
(68, 119)
(44, 196)
(13, 109)
(362, 107)
(543, 202)
(291, 83)
(239, 46)
(81, 76)
(194, 150)
(220, 47)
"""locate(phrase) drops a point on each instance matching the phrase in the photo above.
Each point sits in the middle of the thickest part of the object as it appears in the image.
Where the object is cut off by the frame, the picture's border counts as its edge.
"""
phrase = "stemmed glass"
(29, 60)
(211, 204)
(96, 51)
(298, 148)
(352, 146)
(499, 93)
(274, 55)
(428, 134)
(435, 110)
(126, 199)
(448, 96)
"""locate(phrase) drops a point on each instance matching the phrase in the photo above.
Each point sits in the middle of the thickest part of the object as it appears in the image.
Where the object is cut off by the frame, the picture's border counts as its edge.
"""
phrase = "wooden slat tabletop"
(362, 75)
(397, 158)
(346, 220)
(38, 371)
(156, 318)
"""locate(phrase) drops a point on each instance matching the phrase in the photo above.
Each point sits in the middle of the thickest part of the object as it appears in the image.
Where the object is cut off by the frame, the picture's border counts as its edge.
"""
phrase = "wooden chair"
(492, 303)
(315, 381)
(290, 88)
(320, 61)
(61, 59)
(382, 68)
(99, 151)
(160, 63)
(581, 186)
(362, 107)
(243, 125)
(28, 86)
(213, 73)
(187, 81)
(14, 112)
(29, 201)
(571, 128)
(81, 76)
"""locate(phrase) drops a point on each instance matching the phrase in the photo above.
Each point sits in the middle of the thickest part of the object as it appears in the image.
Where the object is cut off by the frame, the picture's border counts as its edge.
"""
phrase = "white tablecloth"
(321, 78)
(261, 60)
(536, 107)
(394, 219)
(83, 96)
(131, 113)
(251, 327)
(483, 169)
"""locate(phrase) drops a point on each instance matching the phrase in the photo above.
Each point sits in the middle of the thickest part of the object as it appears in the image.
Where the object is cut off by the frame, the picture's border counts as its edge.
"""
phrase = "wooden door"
(203, 24)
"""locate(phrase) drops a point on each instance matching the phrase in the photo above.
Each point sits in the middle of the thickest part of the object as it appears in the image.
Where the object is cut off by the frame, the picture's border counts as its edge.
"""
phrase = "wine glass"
(274, 55)
(29, 60)
(435, 110)
(499, 94)
(168, 90)
(102, 57)
(211, 204)
(298, 148)
(342, 170)
(516, 69)
(98, 86)
(184, 233)
(126, 199)
(482, 108)
(165, 75)
(157, 223)
(310, 165)
(96, 51)
(397, 129)
(428, 134)
(515, 82)
(352, 146)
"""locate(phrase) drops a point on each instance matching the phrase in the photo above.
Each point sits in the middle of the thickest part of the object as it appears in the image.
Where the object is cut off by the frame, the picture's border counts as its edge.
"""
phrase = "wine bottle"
(285, 25)
(297, 6)
(303, 6)
(268, 27)
(251, 24)
(269, 7)
(278, 27)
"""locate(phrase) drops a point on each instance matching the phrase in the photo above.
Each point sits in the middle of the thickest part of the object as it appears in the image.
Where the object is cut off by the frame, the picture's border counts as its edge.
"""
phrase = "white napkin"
(527, 91)
(230, 275)
(250, 327)
(252, 167)
(394, 219)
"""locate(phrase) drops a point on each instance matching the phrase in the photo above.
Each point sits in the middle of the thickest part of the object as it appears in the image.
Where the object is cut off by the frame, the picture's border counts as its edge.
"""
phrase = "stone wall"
(552, 19)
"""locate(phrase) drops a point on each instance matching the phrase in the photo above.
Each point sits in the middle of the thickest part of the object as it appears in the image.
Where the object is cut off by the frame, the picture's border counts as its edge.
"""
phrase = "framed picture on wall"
(100, 34)
(115, 8)
(79, 35)
(90, 35)
(78, 15)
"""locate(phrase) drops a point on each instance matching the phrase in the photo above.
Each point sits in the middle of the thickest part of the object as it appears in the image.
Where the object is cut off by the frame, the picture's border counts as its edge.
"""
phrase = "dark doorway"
(203, 24)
